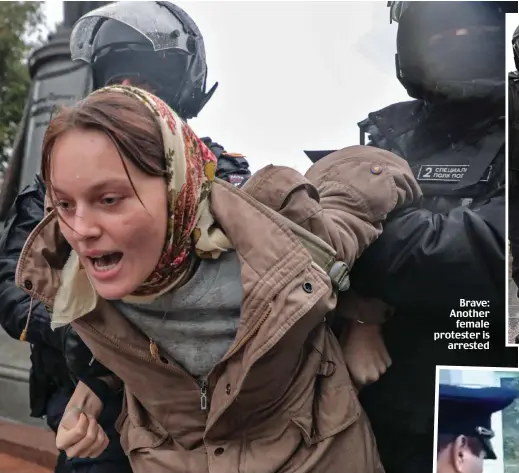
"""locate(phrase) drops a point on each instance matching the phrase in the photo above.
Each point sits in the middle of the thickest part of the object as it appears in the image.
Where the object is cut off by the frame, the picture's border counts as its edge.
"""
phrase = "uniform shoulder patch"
(233, 155)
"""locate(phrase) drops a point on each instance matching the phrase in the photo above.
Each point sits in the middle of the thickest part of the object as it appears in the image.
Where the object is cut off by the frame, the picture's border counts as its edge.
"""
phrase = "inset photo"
(476, 420)
(512, 66)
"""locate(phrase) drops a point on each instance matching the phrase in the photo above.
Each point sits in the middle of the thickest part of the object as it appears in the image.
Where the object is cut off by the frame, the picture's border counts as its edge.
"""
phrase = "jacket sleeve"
(357, 188)
(25, 214)
(462, 252)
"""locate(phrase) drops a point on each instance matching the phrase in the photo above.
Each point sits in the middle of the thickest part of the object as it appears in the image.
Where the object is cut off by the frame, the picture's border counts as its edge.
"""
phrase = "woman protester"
(209, 303)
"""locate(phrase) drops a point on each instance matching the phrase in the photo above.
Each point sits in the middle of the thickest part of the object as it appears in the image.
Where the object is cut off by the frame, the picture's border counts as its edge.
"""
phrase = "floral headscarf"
(190, 172)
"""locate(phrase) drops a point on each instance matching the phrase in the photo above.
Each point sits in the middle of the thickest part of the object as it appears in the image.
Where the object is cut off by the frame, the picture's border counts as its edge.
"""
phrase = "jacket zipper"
(204, 394)
(244, 340)
(250, 333)
(155, 354)
(203, 385)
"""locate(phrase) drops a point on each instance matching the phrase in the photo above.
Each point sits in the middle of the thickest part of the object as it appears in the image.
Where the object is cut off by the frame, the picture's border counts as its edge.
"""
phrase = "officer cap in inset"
(468, 411)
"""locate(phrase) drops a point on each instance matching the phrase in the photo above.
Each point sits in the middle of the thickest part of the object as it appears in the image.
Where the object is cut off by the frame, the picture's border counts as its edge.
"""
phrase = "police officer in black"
(156, 46)
(430, 260)
(464, 426)
(513, 160)
(450, 58)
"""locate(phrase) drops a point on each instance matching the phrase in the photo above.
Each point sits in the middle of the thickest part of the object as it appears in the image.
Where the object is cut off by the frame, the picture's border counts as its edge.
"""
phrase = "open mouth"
(106, 262)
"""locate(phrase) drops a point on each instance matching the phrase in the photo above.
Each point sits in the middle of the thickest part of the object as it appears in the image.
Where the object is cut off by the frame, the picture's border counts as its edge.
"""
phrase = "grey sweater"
(196, 324)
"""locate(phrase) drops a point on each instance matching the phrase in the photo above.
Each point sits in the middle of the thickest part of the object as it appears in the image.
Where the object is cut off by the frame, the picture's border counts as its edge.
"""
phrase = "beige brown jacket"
(281, 400)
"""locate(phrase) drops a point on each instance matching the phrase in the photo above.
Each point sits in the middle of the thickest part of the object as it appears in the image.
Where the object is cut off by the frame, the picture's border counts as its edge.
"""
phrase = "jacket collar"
(251, 227)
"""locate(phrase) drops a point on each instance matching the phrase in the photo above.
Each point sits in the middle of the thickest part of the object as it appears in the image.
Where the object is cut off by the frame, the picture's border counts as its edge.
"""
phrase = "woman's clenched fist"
(80, 436)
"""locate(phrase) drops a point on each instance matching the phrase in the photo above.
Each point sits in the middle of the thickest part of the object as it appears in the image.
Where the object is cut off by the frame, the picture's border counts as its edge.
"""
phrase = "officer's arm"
(424, 258)
(25, 214)
(231, 167)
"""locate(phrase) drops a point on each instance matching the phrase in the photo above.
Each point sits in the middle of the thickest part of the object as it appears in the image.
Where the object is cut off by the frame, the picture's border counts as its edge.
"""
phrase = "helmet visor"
(155, 22)
(396, 9)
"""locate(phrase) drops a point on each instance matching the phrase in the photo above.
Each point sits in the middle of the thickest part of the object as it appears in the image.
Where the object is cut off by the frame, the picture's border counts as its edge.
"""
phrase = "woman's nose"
(85, 224)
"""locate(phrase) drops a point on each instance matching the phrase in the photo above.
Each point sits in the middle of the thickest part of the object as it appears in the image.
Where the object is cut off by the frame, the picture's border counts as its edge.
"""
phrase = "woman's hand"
(79, 433)
(80, 436)
(365, 353)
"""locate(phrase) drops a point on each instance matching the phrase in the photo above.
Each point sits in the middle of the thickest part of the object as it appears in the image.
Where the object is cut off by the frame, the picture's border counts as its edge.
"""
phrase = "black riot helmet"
(451, 51)
(155, 45)
(515, 46)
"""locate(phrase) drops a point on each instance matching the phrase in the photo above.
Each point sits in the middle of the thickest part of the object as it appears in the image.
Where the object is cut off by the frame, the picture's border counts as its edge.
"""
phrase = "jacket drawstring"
(23, 335)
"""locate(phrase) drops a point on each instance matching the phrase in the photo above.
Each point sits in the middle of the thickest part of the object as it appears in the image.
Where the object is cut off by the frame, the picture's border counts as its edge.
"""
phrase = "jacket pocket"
(137, 439)
(138, 432)
(334, 406)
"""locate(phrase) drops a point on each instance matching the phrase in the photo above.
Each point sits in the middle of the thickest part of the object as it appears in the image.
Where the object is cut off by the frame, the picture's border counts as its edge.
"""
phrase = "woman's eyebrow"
(99, 186)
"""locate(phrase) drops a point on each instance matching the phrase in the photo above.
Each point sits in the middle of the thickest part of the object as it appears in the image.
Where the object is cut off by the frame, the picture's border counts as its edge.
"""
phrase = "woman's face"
(118, 239)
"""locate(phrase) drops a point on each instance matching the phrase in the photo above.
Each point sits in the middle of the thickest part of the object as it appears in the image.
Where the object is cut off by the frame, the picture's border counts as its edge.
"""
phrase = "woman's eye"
(64, 205)
(110, 200)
